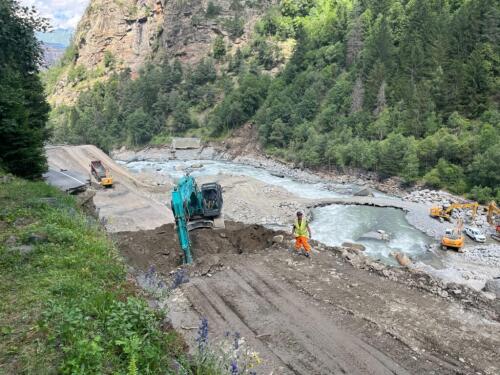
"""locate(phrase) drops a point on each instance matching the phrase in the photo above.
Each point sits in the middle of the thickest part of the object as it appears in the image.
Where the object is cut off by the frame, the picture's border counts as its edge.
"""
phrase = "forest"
(402, 88)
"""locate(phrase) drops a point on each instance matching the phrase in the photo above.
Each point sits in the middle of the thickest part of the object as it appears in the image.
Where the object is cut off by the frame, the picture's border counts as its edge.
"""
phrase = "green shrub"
(212, 10)
(219, 47)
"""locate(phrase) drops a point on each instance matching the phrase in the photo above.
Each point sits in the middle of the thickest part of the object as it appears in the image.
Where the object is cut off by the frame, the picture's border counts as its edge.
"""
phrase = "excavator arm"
(446, 213)
(181, 219)
(190, 211)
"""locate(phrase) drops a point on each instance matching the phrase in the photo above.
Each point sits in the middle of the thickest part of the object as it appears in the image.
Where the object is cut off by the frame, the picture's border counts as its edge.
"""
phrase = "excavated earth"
(160, 247)
(337, 313)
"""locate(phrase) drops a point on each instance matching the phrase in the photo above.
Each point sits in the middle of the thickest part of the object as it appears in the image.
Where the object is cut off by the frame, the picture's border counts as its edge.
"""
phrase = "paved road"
(68, 181)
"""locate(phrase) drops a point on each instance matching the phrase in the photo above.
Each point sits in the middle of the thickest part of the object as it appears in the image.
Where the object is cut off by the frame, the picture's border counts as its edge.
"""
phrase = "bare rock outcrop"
(124, 34)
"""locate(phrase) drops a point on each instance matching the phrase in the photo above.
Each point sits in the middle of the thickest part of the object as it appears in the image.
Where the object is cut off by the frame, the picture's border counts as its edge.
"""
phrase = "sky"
(63, 14)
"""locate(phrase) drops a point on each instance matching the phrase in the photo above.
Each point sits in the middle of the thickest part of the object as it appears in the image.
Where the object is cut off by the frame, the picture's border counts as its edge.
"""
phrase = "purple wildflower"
(202, 338)
(234, 367)
(180, 277)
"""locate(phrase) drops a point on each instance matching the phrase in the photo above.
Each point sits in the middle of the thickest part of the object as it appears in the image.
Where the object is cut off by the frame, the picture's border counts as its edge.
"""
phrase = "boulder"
(278, 238)
(402, 259)
(23, 249)
(364, 192)
(374, 236)
(493, 286)
(356, 246)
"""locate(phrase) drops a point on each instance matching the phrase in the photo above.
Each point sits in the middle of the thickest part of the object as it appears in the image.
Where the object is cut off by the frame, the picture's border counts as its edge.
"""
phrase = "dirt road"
(326, 317)
(134, 202)
(318, 316)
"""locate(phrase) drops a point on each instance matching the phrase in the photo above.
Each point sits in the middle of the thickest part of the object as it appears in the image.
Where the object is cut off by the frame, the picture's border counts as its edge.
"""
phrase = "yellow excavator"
(491, 215)
(454, 238)
(445, 213)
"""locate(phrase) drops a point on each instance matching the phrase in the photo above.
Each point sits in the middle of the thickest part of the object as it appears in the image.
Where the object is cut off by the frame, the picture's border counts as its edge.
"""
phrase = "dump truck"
(100, 173)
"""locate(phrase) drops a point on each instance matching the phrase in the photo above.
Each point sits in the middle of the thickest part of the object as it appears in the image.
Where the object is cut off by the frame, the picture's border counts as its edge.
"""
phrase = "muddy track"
(326, 317)
(292, 334)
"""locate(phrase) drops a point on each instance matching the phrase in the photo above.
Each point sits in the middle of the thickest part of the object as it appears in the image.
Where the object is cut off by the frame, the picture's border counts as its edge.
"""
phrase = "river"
(331, 224)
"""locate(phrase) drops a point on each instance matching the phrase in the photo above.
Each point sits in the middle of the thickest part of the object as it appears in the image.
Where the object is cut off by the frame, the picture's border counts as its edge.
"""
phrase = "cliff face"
(125, 29)
(118, 34)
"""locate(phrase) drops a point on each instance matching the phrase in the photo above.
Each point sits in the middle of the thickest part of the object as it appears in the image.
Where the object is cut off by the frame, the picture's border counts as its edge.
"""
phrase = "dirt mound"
(160, 247)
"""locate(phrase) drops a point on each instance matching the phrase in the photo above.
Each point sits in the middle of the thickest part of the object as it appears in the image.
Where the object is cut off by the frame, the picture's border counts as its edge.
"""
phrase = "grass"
(66, 305)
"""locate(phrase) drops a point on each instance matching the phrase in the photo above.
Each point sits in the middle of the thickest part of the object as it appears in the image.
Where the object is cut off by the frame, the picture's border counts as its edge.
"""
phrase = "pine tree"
(23, 108)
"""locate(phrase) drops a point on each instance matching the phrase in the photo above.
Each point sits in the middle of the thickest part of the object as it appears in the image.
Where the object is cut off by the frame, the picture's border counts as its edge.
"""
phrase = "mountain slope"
(114, 35)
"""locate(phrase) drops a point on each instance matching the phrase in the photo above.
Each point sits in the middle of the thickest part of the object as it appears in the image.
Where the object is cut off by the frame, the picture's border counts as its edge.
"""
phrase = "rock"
(11, 241)
(197, 165)
(278, 238)
(356, 246)
(24, 249)
(364, 192)
(374, 236)
(493, 286)
(6, 179)
(488, 295)
(402, 259)
(376, 266)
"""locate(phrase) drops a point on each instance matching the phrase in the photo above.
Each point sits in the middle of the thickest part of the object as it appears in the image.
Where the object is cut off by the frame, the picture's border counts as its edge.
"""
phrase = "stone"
(488, 295)
(364, 192)
(24, 249)
(356, 246)
(197, 165)
(402, 259)
(11, 241)
(374, 236)
(278, 238)
(493, 286)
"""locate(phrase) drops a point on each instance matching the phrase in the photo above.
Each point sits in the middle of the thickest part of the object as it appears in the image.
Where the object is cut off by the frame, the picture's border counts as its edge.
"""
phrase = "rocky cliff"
(117, 34)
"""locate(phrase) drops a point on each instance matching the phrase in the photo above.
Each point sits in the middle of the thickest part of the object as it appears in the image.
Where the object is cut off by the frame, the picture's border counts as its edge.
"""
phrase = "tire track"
(283, 326)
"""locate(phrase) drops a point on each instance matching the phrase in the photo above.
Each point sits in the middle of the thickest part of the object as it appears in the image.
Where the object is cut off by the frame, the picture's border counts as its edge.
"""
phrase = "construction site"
(392, 286)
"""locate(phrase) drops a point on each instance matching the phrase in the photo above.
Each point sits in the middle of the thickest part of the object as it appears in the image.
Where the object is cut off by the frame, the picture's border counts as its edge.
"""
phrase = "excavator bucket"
(202, 223)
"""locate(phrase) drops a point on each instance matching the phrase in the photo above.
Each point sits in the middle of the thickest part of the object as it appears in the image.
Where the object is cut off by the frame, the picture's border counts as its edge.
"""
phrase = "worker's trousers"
(301, 241)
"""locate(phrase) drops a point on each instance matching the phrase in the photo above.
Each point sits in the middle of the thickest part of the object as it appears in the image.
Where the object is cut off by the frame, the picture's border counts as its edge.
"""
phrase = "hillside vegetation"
(66, 305)
(403, 88)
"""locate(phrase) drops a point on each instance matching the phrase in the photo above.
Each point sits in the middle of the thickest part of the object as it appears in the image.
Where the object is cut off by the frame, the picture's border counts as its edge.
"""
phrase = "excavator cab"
(212, 199)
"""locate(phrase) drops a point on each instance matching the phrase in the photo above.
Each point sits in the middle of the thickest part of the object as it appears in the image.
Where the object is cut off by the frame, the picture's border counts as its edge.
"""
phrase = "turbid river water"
(332, 224)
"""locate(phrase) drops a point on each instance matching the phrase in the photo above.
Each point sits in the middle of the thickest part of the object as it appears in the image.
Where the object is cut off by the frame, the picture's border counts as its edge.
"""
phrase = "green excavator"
(194, 208)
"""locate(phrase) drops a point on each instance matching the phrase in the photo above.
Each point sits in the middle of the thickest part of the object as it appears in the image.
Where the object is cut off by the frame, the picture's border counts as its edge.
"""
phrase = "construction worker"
(301, 231)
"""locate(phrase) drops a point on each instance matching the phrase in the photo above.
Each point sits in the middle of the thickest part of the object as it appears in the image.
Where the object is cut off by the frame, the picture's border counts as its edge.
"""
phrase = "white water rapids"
(332, 224)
